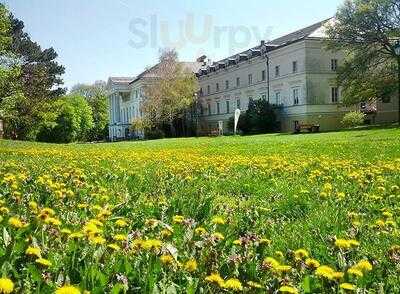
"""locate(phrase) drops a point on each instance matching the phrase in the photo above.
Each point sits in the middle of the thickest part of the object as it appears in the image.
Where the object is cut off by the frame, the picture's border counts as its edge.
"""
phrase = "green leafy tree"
(366, 30)
(73, 121)
(259, 118)
(353, 119)
(96, 96)
(171, 93)
(38, 79)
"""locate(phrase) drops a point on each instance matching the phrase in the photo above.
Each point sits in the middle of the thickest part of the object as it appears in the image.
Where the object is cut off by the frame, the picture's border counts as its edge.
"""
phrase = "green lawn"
(334, 195)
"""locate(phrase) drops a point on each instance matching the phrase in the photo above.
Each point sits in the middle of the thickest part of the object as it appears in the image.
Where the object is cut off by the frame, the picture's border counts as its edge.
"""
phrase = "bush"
(353, 119)
(258, 119)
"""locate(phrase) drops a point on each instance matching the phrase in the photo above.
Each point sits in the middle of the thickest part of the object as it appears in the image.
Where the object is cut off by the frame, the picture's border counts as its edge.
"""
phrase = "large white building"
(125, 97)
(294, 72)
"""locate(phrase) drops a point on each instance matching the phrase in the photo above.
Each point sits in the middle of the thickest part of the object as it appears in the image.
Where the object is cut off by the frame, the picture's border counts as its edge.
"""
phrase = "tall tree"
(39, 78)
(171, 93)
(96, 96)
(366, 30)
(10, 87)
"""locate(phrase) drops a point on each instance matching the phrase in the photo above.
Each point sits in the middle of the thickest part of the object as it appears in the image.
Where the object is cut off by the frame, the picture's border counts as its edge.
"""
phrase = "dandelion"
(218, 236)
(178, 219)
(233, 284)
(312, 263)
(121, 223)
(191, 265)
(16, 223)
(114, 247)
(325, 272)
(218, 220)
(355, 271)
(348, 286)
(44, 262)
(151, 244)
(215, 278)
(300, 254)
(346, 244)
(283, 268)
(270, 262)
(200, 231)
(288, 289)
(364, 265)
(33, 251)
(68, 290)
(6, 286)
(255, 285)
(237, 242)
(166, 259)
(120, 237)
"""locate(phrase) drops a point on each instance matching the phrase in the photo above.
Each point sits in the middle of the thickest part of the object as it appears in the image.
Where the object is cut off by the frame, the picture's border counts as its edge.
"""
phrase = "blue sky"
(101, 38)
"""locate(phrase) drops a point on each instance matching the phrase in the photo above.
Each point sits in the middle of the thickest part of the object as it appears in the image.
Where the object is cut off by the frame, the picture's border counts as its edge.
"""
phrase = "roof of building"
(121, 80)
(316, 30)
(152, 72)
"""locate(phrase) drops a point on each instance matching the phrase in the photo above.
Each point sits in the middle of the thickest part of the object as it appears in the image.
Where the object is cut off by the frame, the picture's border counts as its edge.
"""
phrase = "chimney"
(201, 59)
(262, 43)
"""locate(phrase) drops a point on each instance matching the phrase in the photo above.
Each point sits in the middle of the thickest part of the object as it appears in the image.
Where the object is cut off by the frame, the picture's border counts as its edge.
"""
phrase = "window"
(217, 87)
(201, 92)
(263, 75)
(218, 108)
(226, 85)
(294, 66)
(237, 82)
(277, 71)
(250, 79)
(209, 108)
(238, 103)
(208, 89)
(334, 94)
(201, 110)
(227, 106)
(278, 98)
(296, 96)
(334, 64)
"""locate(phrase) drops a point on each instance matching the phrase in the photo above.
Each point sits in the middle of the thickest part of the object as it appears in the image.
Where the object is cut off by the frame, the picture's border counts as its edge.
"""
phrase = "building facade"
(295, 73)
(125, 98)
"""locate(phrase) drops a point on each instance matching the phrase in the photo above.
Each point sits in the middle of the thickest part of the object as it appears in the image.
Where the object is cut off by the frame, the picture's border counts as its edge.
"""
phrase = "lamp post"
(397, 51)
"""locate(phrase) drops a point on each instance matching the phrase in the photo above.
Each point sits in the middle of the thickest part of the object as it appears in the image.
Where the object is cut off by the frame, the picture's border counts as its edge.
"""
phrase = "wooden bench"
(311, 128)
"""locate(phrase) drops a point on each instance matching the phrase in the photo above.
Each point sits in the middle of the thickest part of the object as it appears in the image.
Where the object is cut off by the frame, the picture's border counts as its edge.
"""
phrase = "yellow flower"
(178, 219)
(312, 263)
(270, 262)
(288, 289)
(43, 262)
(300, 254)
(218, 236)
(255, 285)
(364, 265)
(200, 231)
(355, 271)
(151, 244)
(283, 268)
(166, 259)
(77, 235)
(66, 231)
(265, 241)
(218, 220)
(120, 237)
(114, 246)
(348, 286)
(191, 265)
(52, 221)
(33, 251)
(165, 233)
(121, 223)
(233, 284)
(6, 286)
(346, 244)
(68, 290)
(237, 242)
(16, 223)
(97, 240)
(215, 278)
(325, 272)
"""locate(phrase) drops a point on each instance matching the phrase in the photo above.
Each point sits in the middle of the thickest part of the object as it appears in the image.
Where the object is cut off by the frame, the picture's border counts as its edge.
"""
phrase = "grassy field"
(314, 213)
